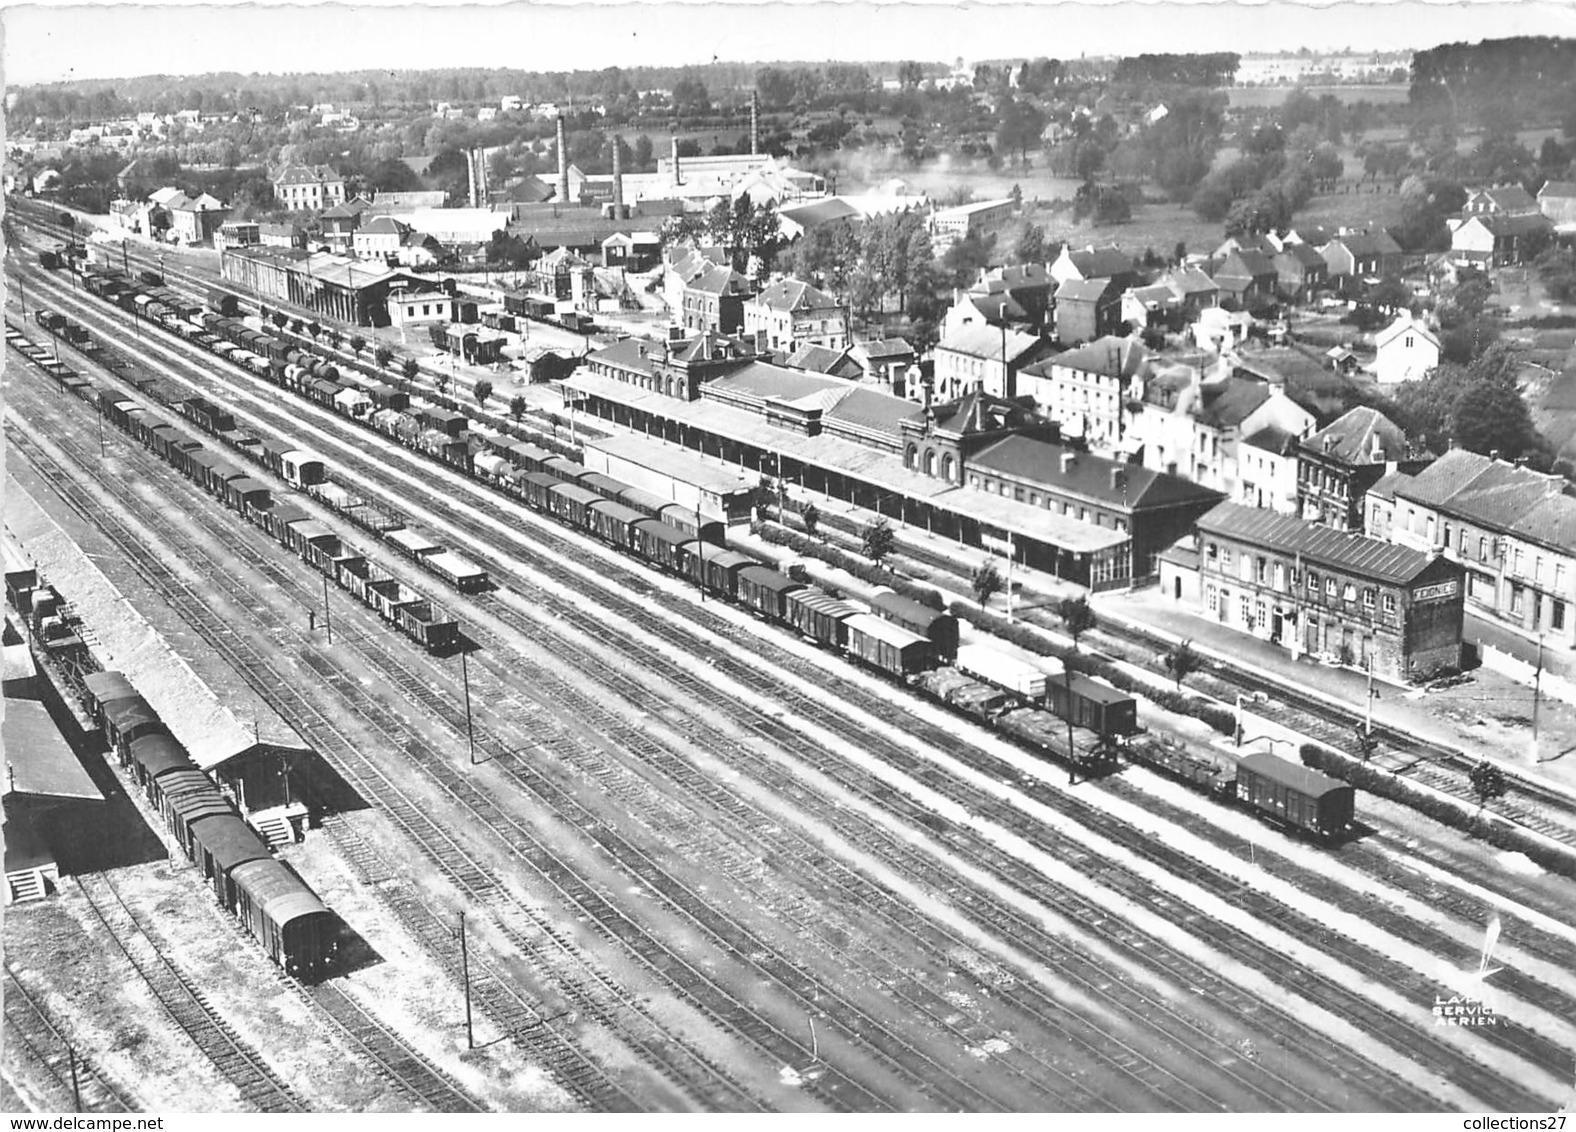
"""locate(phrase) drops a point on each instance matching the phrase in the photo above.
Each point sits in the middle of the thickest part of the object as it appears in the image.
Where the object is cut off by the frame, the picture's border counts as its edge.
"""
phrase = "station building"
(1338, 595)
(336, 287)
(940, 466)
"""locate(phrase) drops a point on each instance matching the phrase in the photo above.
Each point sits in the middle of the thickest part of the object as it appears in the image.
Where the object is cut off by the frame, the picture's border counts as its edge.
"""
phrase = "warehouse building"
(333, 286)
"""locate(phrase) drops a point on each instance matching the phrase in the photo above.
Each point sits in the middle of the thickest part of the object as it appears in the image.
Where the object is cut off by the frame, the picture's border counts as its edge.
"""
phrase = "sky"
(50, 42)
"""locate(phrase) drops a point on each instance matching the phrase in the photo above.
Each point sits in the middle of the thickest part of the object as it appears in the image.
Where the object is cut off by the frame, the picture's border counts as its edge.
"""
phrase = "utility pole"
(1537, 683)
(1012, 554)
(465, 971)
(327, 624)
(465, 682)
(1368, 719)
(76, 1087)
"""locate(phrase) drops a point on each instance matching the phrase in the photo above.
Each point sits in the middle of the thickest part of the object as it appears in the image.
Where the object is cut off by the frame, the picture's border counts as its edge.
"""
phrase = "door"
(1176, 586)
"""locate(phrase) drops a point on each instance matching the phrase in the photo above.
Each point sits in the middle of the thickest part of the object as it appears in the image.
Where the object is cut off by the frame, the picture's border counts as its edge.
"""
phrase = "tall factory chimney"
(677, 177)
(755, 123)
(618, 180)
(563, 164)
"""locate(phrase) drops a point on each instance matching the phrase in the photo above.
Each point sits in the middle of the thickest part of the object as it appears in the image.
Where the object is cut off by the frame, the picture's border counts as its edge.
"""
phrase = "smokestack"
(677, 178)
(563, 164)
(755, 123)
(618, 180)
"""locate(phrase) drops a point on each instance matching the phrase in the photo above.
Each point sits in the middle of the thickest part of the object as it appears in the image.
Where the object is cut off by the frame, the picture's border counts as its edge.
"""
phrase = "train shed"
(230, 731)
(44, 783)
(674, 474)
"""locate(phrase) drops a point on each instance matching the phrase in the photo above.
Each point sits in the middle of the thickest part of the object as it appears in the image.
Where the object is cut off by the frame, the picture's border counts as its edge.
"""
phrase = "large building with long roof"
(335, 286)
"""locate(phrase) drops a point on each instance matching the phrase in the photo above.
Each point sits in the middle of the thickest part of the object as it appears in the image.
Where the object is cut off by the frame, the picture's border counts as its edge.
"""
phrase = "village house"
(1557, 202)
(339, 223)
(1314, 590)
(791, 313)
(1337, 466)
(823, 359)
(1301, 273)
(676, 367)
(1087, 309)
(281, 235)
(985, 359)
(309, 187)
(379, 238)
(1156, 306)
(194, 220)
(981, 308)
(1512, 529)
(1196, 291)
(1362, 255)
(1248, 277)
(632, 251)
(886, 362)
(1096, 263)
(1488, 240)
(1501, 200)
(714, 300)
(1406, 351)
(1086, 389)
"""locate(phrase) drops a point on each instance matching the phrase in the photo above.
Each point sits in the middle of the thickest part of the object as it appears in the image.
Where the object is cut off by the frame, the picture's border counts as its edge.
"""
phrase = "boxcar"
(717, 569)
(302, 469)
(939, 626)
(223, 842)
(699, 527)
(891, 648)
(659, 544)
(246, 492)
(535, 486)
(129, 719)
(613, 522)
(299, 536)
(1096, 707)
(528, 456)
(186, 803)
(387, 397)
(562, 467)
(605, 486)
(104, 688)
(1296, 795)
(461, 573)
(765, 590)
(152, 755)
(643, 501)
(286, 917)
(570, 502)
(222, 302)
(819, 616)
(444, 421)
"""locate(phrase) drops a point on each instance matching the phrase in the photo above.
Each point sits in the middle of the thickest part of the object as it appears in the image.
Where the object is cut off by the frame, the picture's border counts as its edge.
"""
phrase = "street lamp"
(1239, 720)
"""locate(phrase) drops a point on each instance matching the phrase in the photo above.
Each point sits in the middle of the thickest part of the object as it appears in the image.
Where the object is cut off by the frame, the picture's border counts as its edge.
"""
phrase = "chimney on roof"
(1118, 479)
(1493, 454)
(1068, 460)
(1376, 450)
(618, 180)
(1329, 443)
(563, 164)
(678, 178)
(755, 122)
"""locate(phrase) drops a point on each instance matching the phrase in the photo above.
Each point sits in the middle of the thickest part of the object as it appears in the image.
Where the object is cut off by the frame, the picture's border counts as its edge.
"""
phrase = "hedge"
(1499, 834)
(858, 567)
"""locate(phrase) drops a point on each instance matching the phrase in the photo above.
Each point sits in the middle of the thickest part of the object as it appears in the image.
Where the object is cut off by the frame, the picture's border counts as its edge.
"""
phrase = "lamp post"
(465, 971)
(1537, 684)
(1239, 721)
(465, 682)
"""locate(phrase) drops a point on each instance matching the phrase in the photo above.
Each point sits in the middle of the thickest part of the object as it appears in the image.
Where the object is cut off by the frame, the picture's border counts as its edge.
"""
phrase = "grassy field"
(1257, 97)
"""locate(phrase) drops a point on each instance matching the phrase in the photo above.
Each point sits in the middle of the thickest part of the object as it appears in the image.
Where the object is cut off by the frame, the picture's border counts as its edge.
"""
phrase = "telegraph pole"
(465, 971)
(76, 1088)
(1012, 554)
(327, 624)
(465, 681)
(700, 572)
(1072, 751)
(1537, 683)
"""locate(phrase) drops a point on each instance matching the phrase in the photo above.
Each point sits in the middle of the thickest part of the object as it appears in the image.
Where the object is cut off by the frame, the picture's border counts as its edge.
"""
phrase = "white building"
(983, 358)
(1407, 351)
(791, 313)
(1086, 389)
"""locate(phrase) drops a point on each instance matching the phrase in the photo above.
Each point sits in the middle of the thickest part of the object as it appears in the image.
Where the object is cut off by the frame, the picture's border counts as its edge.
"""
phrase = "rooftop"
(1362, 435)
(38, 760)
(1314, 543)
(794, 295)
(1127, 486)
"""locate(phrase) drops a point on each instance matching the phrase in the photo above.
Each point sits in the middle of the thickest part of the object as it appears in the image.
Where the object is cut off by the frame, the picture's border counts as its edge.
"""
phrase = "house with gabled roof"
(194, 220)
(1493, 239)
(1247, 276)
(1362, 255)
(1086, 389)
(823, 359)
(309, 187)
(984, 308)
(714, 300)
(1340, 463)
(1301, 273)
(887, 362)
(1406, 350)
(984, 358)
(1108, 262)
(1087, 309)
(792, 313)
(1194, 289)
(1557, 202)
(1502, 200)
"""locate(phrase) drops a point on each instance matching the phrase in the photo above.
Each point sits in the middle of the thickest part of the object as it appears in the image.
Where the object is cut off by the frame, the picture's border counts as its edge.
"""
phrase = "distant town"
(686, 523)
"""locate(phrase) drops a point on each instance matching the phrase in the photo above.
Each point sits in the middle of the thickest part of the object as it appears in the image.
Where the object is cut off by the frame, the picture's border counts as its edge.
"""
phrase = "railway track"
(1125, 1059)
(185, 1003)
(32, 1036)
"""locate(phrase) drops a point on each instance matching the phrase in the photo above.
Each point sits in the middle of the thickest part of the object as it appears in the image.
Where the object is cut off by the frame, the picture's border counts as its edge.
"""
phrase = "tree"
(383, 356)
(1183, 661)
(409, 369)
(441, 381)
(987, 581)
(877, 541)
(481, 391)
(643, 151)
(1390, 294)
(810, 517)
(314, 330)
(357, 344)
(280, 319)
(517, 407)
(1077, 617)
(1490, 415)
(1488, 782)
(1031, 245)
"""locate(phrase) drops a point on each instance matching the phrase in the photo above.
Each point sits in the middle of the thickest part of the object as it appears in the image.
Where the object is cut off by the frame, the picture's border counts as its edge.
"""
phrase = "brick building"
(1316, 590)
(1338, 464)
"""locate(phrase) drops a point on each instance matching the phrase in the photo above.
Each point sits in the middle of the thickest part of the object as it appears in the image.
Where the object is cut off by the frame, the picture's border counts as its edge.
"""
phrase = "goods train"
(411, 612)
(279, 909)
(897, 636)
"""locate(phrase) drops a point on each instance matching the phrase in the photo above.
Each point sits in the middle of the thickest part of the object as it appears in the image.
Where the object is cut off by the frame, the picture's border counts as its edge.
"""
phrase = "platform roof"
(154, 648)
(38, 759)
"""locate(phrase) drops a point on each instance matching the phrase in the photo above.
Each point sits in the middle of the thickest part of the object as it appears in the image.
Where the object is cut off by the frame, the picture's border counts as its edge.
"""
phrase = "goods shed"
(45, 795)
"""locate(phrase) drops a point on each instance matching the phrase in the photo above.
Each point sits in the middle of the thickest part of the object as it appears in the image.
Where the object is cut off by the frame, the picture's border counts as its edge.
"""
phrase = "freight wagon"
(1296, 796)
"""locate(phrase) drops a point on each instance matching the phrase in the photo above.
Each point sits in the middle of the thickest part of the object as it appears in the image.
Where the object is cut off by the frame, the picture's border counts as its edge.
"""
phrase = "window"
(1482, 549)
(1447, 536)
(1461, 544)
(1245, 607)
(1034, 499)
(1559, 576)
(1212, 599)
(1260, 616)
(974, 481)
(1259, 569)
(1368, 598)
(1225, 558)
(1083, 514)
(1389, 603)
(1516, 595)
(1313, 581)
(1517, 560)
(1245, 568)
(1348, 592)
(1537, 570)
(1280, 577)
(1376, 515)
(1557, 615)
(1329, 587)
(1408, 341)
